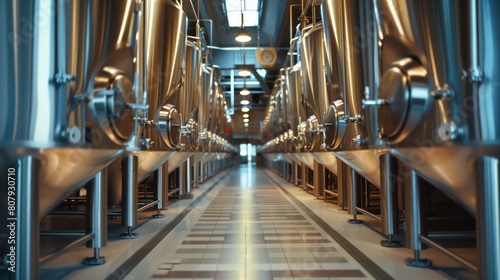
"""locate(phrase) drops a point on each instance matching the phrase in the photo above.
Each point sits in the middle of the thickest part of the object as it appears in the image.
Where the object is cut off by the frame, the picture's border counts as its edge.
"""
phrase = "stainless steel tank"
(69, 104)
(437, 90)
(435, 103)
(206, 84)
(187, 102)
(162, 47)
(314, 82)
(317, 96)
(297, 114)
(352, 74)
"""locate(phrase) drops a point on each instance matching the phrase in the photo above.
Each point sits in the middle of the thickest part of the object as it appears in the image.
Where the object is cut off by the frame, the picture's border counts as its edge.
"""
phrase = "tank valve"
(442, 93)
(358, 141)
(146, 143)
(448, 132)
(147, 123)
(181, 147)
(72, 134)
(355, 119)
(63, 78)
(367, 102)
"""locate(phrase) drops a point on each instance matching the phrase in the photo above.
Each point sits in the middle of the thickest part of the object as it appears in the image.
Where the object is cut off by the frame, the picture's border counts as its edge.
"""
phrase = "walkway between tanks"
(250, 230)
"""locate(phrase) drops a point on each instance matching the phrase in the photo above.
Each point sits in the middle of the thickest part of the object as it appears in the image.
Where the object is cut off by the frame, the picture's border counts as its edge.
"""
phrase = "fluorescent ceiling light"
(246, 116)
(244, 102)
(245, 109)
(245, 120)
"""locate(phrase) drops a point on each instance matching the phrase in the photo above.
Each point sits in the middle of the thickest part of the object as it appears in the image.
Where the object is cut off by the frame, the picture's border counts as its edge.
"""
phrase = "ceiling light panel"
(250, 12)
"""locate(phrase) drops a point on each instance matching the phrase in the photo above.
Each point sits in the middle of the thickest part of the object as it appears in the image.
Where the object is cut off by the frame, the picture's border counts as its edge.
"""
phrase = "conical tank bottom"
(198, 156)
(305, 158)
(450, 169)
(327, 159)
(62, 170)
(176, 160)
(149, 161)
(365, 162)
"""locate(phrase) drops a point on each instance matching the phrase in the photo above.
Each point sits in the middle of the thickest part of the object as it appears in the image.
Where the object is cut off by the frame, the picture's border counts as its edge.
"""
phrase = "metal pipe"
(292, 63)
(291, 19)
(147, 206)
(144, 59)
(25, 222)
(238, 48)
(355, 180)
(67, 248)
(388, 205)
(62, 233)
(160, 190)
(488, 217)
(97, 217)
(211, 28)
(361, 210)
(188, 176)
(474, 40)
(450, 254)
(414, 220)
(194, 10)
(129, 191)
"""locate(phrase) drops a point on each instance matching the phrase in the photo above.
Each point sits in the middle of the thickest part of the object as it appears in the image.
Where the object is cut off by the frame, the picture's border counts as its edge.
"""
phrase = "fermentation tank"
(161, 51)
(436, 103)
(69, 104)
(353, 74)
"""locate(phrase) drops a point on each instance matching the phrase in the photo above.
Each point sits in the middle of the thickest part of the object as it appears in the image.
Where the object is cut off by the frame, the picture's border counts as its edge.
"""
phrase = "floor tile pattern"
(256, 233)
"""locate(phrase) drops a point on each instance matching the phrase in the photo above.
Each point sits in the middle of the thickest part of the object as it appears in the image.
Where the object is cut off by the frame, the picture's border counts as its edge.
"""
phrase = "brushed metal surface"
(453, 40)
(62, 170)
(327, 159)
(306, 158)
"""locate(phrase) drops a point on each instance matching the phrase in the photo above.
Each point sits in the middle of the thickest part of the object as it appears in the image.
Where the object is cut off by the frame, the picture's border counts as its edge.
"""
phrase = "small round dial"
(267, 57)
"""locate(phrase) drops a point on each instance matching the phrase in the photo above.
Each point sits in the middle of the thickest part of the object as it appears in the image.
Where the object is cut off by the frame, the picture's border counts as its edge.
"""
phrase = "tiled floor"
(250, 230)
(247, 227)
(254, 232)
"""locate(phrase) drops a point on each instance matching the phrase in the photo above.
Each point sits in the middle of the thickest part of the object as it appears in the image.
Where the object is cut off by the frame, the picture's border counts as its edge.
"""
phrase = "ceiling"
(274, 30)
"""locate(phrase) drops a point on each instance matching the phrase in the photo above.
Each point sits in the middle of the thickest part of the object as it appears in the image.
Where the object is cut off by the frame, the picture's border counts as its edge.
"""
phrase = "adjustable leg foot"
(95, 260)
(129, 234)
(354, 220)
(158, 214)
(390, 242)
(417, 261)
(187, 196)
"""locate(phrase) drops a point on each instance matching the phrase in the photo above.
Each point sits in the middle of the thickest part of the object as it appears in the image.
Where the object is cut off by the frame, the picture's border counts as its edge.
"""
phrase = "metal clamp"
(181, 147)
(355, 119)
(358, 141)
(146, 143)
(148, 123)
(63, 78)
(475, 75)
(442, 93)
(137, 7)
